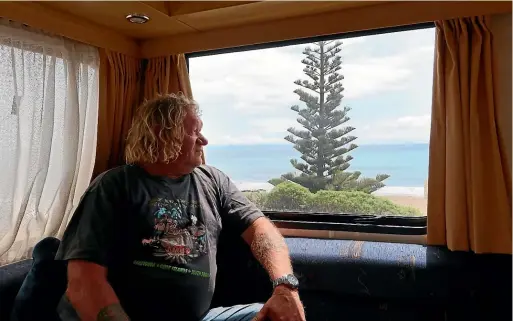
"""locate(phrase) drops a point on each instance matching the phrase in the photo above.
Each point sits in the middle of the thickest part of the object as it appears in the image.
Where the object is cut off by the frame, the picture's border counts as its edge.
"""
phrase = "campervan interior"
(406, 105)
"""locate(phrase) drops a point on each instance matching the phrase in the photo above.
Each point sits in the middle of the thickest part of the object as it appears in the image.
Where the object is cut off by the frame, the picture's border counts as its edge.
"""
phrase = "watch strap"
(288, 280)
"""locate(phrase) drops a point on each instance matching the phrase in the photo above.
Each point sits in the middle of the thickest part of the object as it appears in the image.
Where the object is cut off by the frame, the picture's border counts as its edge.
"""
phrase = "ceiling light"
(137, 18)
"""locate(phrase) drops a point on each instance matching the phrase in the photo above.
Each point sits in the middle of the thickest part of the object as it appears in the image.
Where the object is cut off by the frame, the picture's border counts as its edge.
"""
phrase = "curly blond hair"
(166, 114)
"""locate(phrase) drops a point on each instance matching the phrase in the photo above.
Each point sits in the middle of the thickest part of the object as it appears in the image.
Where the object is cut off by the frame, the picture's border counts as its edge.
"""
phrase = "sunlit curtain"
(469, 201)
(120, 88)
(48, 119)
(165, 75)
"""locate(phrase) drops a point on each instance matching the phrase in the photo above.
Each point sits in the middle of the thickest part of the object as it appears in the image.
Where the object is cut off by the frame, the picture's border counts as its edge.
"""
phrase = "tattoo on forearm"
(266, 245)
(113, 312)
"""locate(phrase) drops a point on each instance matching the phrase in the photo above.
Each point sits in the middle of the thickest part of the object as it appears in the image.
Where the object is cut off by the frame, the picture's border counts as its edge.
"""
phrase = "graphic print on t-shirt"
(178, 235)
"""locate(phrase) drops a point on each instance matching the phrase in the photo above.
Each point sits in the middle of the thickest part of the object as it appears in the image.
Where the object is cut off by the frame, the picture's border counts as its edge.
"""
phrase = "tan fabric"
(166, 75)
(469, 200)
(500, 26)
(119, 96)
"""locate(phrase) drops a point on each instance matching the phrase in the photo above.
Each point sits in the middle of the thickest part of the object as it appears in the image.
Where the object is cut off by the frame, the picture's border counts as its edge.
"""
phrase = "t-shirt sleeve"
(237, 211)
(90, 233)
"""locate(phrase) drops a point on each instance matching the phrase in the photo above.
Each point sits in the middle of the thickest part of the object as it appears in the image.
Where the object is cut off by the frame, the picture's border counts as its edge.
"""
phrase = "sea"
(251, 166)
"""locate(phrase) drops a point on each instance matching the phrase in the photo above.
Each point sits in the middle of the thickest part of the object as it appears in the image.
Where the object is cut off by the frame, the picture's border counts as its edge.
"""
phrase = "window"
(353, 139)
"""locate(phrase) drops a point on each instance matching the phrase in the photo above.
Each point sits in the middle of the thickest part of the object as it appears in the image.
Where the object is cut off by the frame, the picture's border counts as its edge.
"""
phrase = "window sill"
(350, 223)
(356, 236)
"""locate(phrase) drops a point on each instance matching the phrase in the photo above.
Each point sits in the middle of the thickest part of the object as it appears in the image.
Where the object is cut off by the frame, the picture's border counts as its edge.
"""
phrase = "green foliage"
(257, 198)
(323, 144)
(290, 196)
(276, 181)
(356, 202)
(286, 196)
(312, 182)
(341, 181)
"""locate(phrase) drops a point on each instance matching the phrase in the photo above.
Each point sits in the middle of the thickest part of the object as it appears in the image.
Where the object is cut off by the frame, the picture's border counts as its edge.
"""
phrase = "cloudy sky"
(245, 97)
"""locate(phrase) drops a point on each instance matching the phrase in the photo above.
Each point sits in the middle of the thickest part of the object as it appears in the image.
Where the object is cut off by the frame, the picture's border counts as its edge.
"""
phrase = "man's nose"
(203, 140)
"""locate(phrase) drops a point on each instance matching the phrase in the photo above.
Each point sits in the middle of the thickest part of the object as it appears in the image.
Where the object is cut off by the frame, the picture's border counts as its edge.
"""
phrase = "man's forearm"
(100, 306)
(269, 248)
(90, 293)
(112, 312)
(95, 307)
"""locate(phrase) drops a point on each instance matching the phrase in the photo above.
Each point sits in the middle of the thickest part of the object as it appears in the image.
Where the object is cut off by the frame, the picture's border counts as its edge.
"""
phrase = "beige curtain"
(48, 133)
(165, 75)
(119, 96)
(469, 199)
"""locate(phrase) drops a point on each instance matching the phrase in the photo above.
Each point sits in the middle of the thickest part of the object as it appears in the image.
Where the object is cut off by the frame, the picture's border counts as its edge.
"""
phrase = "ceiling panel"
(177, 8)
(161, 6)
(182, 26)
(36, 15)
(168, 18)
(264, 11)
(111, 14)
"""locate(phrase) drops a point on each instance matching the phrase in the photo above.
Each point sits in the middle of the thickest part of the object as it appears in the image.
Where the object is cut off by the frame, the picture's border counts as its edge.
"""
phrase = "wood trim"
(162, 6)
(342, 235)
(376, 16)
(180, 8)
(42, 17)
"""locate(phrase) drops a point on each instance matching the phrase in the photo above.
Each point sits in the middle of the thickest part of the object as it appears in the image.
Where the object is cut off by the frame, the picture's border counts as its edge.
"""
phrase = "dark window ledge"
(400, 225)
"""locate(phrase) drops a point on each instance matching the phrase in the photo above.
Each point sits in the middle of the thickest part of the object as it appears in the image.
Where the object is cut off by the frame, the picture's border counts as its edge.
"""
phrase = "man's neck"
(171, 170)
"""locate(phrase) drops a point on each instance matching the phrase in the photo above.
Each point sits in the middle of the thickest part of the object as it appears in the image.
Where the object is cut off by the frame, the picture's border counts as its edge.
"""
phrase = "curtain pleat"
(120, 77)
(165, 75)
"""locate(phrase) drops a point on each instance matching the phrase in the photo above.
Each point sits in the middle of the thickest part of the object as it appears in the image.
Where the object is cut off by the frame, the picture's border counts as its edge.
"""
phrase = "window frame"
(400, 226)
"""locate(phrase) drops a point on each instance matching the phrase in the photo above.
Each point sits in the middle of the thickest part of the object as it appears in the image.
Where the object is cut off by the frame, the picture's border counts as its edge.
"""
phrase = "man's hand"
(284, 305)
(270, 249)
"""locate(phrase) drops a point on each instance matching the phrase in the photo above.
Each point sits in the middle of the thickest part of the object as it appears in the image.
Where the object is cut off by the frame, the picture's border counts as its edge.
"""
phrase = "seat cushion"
(43, 286)
(11, 279)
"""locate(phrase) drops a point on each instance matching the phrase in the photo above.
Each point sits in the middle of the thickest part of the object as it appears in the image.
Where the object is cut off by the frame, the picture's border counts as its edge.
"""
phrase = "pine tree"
(323, 144)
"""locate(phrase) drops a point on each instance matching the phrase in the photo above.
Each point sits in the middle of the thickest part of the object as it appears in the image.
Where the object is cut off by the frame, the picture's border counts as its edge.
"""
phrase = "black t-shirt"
(157, 237)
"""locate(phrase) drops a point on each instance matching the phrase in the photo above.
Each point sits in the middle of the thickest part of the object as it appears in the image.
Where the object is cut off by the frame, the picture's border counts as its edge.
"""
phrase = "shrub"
(257, 198)
(288, 196)
(357, 202)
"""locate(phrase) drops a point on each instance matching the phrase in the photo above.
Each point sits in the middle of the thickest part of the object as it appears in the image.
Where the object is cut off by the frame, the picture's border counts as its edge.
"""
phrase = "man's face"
(193, 142)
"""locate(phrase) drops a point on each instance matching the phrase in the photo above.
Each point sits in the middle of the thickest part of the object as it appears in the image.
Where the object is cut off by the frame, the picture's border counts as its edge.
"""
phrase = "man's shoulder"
(208, 169)
(211, 174)
(113, 176)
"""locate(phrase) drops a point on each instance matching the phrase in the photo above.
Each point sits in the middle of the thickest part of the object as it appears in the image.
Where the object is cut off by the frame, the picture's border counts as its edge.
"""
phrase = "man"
(142, 243)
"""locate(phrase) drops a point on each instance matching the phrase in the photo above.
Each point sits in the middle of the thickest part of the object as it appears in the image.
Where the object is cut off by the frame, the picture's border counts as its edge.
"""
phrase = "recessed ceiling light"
(137, 18)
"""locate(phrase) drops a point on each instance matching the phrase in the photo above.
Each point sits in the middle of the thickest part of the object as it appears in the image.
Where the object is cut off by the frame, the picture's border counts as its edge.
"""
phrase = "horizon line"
(289, 144)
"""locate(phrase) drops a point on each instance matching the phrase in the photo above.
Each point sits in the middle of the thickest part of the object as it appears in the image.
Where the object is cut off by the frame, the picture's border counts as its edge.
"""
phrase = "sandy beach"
(415, 197)
(418, 202)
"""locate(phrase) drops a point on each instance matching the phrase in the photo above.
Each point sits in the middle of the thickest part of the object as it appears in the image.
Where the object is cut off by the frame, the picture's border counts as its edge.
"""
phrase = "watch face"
(292, 280)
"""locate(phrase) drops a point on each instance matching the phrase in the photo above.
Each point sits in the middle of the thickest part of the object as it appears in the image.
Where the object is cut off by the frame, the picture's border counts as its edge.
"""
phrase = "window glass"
(338, 126)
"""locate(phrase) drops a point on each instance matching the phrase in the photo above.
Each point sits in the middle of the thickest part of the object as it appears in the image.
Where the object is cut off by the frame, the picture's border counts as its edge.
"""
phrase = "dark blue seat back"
(43, 286)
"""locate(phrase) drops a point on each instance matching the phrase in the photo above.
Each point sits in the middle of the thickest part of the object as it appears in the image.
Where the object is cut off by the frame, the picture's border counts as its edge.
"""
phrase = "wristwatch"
(288, 280)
